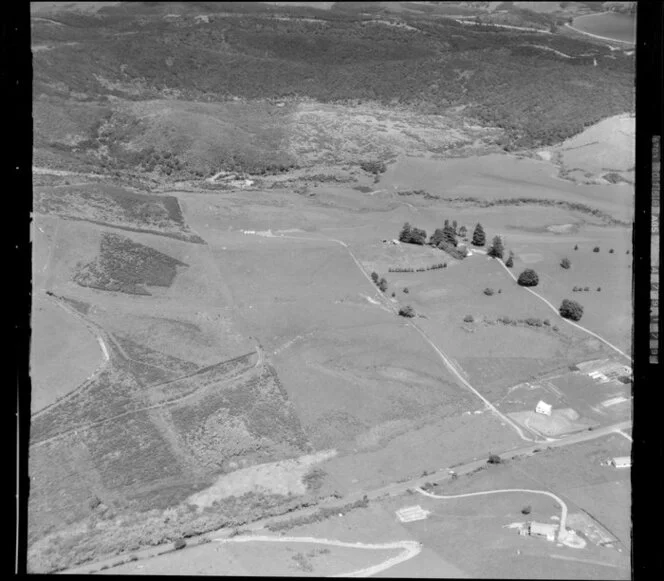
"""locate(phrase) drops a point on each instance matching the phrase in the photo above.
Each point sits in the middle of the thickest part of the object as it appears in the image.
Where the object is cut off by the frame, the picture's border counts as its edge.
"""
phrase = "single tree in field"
(571, 310)
(479, 237)
(374, 277)
(576, 247)
(497, 249)
(404, 235)
(565, 263)
(510, 260)
(528, 278)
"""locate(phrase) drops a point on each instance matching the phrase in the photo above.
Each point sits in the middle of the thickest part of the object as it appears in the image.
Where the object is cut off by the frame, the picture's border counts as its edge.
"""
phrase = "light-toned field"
(63, 353)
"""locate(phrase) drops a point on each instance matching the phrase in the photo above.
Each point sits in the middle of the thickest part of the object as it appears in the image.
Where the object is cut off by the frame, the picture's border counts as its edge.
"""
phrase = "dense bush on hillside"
(536, 95)
(571, 310)
(127, 266)
(528, 278)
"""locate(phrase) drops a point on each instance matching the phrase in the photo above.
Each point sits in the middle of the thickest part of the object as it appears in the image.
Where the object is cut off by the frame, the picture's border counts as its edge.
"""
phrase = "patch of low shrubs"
(382, 285)
(405, 290)
(494, 459)
(526, 509)
(570, 310)
(599, 288)
(468, 319)
(374, 167)
(565, 263)
(611, 251)
(488, 291)
(407, 312)
(596, 249)
(533, 322)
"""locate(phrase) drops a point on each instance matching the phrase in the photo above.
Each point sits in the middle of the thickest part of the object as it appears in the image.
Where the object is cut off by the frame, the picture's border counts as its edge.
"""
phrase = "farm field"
(64, 353)
(587, 481)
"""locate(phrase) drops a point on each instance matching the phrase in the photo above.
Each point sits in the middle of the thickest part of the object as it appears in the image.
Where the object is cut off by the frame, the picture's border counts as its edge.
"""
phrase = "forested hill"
(541, 87)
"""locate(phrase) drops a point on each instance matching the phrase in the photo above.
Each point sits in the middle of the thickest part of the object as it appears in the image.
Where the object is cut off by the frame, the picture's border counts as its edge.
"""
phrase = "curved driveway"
(562, 531)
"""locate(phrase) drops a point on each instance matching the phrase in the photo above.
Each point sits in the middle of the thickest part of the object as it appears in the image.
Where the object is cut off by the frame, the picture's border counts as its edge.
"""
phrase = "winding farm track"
(410, 549)
(562, 531)
(540, 297)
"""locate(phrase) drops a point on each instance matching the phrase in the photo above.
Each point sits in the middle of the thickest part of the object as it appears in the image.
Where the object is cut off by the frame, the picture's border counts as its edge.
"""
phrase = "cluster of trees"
(381, 283)
(407, 311)
(411, 235)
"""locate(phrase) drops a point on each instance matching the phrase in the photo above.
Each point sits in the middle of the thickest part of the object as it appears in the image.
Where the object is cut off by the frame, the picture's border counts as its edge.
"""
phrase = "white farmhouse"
(543, 408)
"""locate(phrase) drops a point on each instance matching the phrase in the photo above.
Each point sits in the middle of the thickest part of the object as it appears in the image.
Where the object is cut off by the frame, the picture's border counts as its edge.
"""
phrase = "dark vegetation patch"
(419, 269)
(144, 354)
(125, 387)
(130, 469)
(535, 95)
(478, 202)
(127, 266)
(258, 406)
(117, 207)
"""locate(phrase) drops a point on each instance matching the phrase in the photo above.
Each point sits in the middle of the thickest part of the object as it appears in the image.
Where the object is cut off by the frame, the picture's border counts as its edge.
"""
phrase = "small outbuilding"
(621, 462)
(543, 408)
(545, 530)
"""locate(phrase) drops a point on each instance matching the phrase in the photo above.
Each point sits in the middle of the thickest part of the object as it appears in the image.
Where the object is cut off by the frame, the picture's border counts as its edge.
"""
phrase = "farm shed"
(543, 408)
(548, 531)
(621, 462)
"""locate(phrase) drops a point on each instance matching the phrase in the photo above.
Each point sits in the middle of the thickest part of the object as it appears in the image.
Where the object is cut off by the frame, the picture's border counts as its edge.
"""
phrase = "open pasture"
(336, 381)
(470, 532)
(492, 177)
(63, 353)
(608, 311)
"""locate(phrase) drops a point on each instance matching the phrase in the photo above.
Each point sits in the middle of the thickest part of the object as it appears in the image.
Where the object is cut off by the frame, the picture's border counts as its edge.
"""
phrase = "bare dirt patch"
(283, 477)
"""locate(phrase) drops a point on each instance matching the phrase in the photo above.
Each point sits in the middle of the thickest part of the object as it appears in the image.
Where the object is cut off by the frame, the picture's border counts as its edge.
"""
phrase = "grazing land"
(220, 260)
